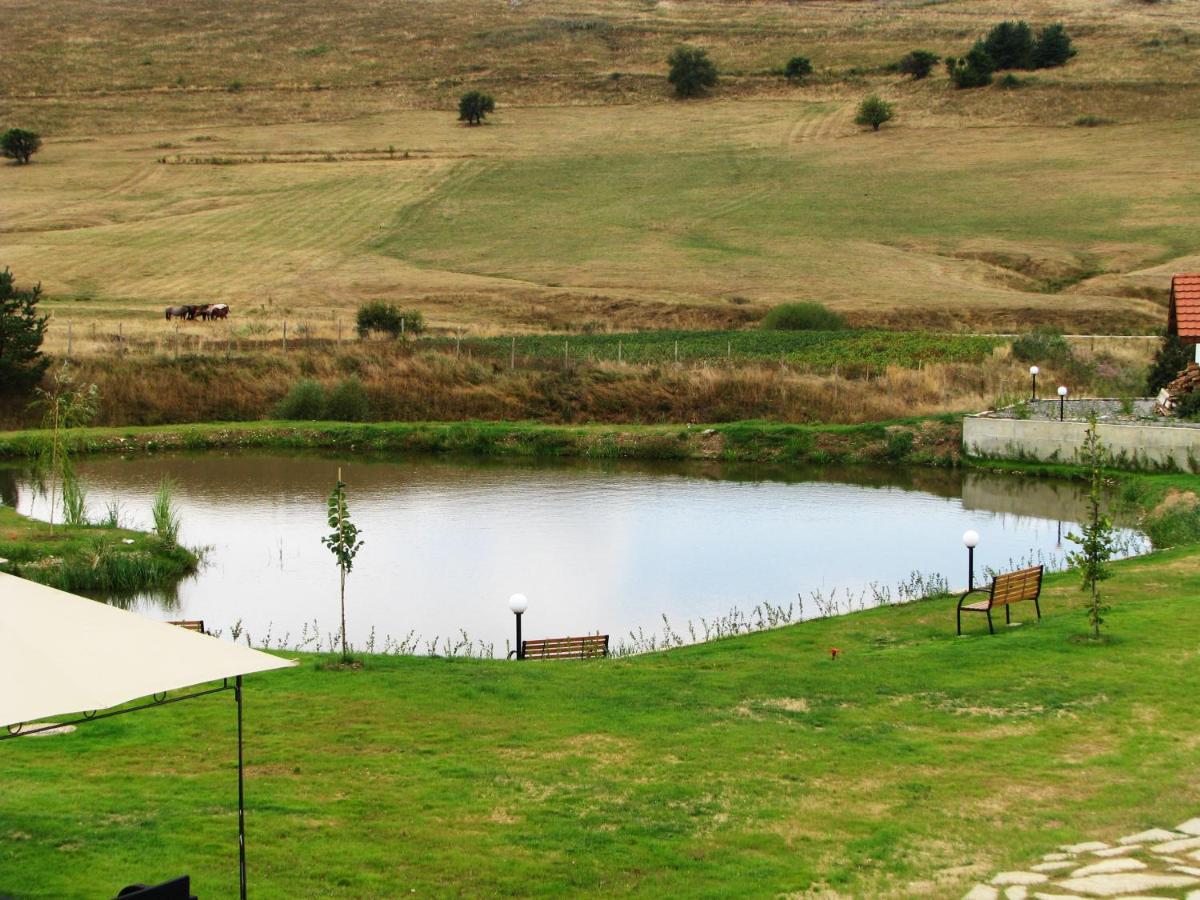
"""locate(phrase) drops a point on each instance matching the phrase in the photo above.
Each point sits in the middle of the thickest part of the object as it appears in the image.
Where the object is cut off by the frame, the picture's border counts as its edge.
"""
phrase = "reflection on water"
(597, 546)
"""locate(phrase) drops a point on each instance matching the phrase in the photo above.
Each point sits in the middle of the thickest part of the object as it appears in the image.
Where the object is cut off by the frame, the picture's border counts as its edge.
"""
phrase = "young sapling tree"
(343, 542)
(1096, 538)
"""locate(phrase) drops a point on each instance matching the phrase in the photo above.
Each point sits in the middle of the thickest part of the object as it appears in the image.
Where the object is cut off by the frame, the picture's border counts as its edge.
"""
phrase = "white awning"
(61, 654)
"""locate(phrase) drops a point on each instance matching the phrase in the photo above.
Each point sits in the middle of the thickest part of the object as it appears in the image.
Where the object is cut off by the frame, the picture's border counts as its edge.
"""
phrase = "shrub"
(1010, 45)
(388, 318)
(1188, 406)
(797, 68)
(164, 513)
(1053, 47)
(22, 330)
(1172, 357)
(971, 71)
(474, 106)
(306, 400)
(802, 317)
(874, 111)
(348, 402)
(1042, 345)
(19, 144)
(918, 64)
(691, 71)
(1009, 82)
(1093, 121)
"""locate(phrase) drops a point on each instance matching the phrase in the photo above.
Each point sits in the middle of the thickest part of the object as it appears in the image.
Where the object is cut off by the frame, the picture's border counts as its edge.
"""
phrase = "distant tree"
(1053, 47)
(473, 106)
(22, 364)
(19, 144)
(692, 72)
(918, 63)
(802, 317)
(797, 68)
(1172, 357)
(388, 318)
(1096, 539)
(971, 71)
(874, 111)
(1010, 45)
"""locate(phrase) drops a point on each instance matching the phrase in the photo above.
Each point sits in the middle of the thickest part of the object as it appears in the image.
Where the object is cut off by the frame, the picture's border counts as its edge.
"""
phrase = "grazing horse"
(218, 311)
(198, 312)
(176, 312)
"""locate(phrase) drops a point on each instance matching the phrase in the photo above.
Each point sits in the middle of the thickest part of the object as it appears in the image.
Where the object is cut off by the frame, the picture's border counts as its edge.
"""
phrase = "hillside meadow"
(299, 160)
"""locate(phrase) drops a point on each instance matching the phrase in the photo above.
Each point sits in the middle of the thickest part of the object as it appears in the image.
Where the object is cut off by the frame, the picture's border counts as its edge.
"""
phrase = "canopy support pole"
(237, 692)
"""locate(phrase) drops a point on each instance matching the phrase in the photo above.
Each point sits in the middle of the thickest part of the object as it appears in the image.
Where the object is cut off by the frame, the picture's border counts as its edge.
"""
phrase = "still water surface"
(596, 546)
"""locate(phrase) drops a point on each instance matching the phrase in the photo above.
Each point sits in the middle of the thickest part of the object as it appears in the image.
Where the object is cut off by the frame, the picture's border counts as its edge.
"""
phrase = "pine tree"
(22, 364)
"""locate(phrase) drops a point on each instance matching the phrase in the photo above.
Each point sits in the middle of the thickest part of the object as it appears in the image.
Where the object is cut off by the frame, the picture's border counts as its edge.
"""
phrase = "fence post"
(402, 328)
(512, 355)
(729, 350)
(177, 340)
(285, 335)
(120, 338)
(339, 329)
(457, 343)
(677, 352)
(68, 339)
(566, 354)
(619, 351)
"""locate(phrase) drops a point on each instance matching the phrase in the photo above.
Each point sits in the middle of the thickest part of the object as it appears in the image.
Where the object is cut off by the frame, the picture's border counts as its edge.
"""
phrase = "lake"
(596, 546)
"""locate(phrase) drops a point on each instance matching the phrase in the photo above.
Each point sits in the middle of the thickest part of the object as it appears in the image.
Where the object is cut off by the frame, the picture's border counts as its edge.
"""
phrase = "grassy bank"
(930, 441)
(916, 764)
(90, 558)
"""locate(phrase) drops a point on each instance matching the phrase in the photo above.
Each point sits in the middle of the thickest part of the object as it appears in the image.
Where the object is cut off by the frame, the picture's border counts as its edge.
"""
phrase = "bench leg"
(960, 621)
(1038, 608)
(991, 630)
(1007, 614)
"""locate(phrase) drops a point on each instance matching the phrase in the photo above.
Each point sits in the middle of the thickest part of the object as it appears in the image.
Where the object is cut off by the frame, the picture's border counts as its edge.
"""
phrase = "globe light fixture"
(970, 541)
(1062, 402)
(1033, 374)
(518, 603)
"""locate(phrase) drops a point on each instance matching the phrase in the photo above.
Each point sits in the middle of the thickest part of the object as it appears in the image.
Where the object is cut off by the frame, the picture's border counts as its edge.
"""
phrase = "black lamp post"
(1062, 402)
(1033, 373)
(971, 540)
(518, 603)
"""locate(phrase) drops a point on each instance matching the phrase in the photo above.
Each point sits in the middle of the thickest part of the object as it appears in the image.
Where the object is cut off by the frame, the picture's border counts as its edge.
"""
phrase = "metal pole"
(1033, 396)
(1062, 406)
(241, 796)
(970, 568)
(520, 649)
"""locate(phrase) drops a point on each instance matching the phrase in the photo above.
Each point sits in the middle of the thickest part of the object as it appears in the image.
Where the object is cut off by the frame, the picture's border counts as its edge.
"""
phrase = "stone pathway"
(1159, 864)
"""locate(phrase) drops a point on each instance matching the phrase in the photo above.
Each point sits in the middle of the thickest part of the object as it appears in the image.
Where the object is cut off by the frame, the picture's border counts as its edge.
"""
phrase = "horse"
(199, 312)
(177, 312)
(218, 311)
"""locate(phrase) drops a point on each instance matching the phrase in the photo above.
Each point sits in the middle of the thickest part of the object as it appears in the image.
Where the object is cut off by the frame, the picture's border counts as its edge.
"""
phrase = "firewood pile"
(1185, 383)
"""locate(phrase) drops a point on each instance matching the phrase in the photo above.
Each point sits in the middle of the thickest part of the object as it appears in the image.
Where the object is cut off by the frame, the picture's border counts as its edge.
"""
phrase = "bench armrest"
(967, 594)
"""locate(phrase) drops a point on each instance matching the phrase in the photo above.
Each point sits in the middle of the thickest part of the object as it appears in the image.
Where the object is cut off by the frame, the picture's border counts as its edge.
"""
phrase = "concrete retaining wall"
(1147, 447)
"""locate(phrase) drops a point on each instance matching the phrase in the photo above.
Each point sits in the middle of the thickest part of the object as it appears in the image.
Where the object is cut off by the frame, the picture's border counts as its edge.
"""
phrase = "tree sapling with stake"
(343, 542)
(1096, 539)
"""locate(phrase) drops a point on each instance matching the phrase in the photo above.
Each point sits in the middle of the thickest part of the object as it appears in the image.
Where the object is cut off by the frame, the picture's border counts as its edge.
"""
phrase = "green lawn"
(914, 764)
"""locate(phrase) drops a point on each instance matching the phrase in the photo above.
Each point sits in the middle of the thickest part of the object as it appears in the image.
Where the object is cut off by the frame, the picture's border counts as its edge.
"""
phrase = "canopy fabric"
(60, 653)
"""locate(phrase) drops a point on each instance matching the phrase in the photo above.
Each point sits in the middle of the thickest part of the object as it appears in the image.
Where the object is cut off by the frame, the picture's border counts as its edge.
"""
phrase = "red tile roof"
(1184, 315)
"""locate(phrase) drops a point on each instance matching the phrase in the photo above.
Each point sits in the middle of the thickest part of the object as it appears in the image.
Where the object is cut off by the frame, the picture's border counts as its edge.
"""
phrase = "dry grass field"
(296, 159)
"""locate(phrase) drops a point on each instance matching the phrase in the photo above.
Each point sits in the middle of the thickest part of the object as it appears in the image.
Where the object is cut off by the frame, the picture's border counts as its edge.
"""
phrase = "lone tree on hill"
(473, 106)
(22, 364)
(797, 68)
(971, 71)
(1010, 45)
(874, 111)
(918, 64)
(692, 72)
(19, 144)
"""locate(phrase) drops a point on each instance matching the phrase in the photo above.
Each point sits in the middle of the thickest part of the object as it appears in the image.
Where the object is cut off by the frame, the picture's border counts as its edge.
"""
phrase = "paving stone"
(1085, 847)
(1125, 883)
(1055, 857)
(1053, 866)
(1118, 851)
(1017, 892)
(1041, 896)
(1019, 878)
(1154, 834)
(1186, 870)
(1110, 865)
(1193, 895)
(1190, 843)
(1195, 854)
(982, 892)
(1191, 826)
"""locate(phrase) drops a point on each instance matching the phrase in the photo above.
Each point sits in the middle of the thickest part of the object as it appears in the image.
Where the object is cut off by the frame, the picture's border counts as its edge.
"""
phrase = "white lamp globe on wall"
(1062, 401)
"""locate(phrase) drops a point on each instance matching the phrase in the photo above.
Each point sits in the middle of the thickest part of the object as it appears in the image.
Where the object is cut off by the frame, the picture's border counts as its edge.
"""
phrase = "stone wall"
(1145, 447)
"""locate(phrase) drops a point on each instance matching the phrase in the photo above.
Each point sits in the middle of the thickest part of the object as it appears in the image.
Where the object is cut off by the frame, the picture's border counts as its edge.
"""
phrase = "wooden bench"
(1005, 590)
(191, 625)
(587, 647)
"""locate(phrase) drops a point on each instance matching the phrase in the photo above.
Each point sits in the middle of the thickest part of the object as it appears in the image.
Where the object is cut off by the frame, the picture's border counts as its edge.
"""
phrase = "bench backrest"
(566, 647)
(190, 624)
(1013, 587)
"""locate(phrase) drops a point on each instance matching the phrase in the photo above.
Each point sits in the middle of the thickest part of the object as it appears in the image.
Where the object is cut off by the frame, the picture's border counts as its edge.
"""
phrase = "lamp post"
(518, 603)
(971, 541)
(1062, 402)
(1033, 373)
